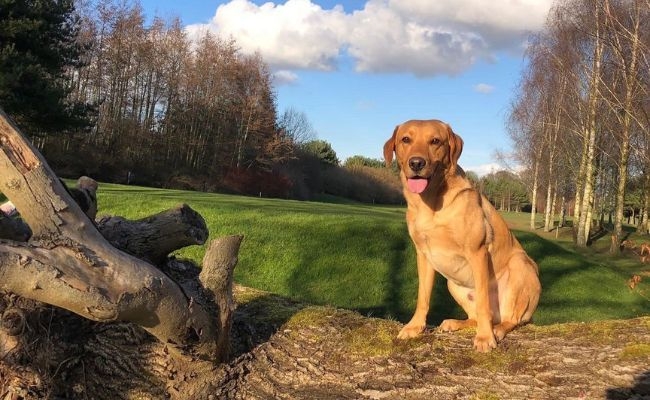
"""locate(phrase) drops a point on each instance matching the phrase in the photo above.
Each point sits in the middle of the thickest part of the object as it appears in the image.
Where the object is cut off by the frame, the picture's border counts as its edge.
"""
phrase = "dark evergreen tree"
(37, 46)
(323, 150)
(361, 161)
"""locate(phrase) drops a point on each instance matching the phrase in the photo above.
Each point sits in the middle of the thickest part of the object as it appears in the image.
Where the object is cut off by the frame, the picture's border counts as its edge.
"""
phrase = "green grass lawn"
(360, 256)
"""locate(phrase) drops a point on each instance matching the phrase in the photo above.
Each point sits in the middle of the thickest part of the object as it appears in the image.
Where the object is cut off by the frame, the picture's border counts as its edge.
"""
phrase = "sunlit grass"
(360, 257)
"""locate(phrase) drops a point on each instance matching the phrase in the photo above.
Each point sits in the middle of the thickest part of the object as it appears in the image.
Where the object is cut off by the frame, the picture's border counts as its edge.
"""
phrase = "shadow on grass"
(597, 235)
(368, 265)
(372, 287)
(385, 285)
(573, 288)
(391, 304)
(576, 289)
(385, 288)
(402, 274)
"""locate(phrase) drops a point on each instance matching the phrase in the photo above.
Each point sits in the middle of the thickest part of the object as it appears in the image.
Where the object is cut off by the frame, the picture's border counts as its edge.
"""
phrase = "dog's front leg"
(484, 340)
(426, 276)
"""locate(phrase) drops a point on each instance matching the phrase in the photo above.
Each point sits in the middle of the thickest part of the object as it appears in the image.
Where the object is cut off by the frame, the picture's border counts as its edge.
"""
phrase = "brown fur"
(458, 233)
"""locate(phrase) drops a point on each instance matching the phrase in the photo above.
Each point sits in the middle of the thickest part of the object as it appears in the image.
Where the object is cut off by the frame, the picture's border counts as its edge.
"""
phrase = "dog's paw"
(499, 333)
(485, 343)
(451, 325)
(502, 329)
(410, 331)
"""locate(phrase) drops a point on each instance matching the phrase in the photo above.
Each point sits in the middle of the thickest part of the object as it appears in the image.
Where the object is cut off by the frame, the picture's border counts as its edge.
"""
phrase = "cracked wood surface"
(334, 357)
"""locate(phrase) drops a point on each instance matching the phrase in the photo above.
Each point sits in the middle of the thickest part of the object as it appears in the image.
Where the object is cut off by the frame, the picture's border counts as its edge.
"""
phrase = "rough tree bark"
(217, 276)
(285, 350)
(69, 264)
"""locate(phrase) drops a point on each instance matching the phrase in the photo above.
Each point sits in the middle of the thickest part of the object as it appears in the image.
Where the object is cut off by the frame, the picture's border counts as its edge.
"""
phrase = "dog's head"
(425, 151)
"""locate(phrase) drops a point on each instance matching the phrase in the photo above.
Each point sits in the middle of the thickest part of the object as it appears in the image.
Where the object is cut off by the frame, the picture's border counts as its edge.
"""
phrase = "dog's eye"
(406, 139)
(435, 141)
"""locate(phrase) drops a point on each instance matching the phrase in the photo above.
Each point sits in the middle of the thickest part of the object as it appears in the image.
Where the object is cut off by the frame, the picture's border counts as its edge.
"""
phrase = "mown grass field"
(360, 257)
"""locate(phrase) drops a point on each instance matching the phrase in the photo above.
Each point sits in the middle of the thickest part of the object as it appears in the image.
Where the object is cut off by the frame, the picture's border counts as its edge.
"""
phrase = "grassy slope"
(360, 256)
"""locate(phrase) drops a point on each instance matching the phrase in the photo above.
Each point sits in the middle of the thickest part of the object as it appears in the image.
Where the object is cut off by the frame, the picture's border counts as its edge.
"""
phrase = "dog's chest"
(438, 245)
(452, 266)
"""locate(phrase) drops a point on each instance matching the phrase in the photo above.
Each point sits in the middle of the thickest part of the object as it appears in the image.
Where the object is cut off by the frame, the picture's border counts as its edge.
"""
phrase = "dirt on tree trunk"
(286, 350)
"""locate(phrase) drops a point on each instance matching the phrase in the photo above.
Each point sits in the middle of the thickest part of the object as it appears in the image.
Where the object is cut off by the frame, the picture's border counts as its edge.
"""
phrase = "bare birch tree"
(586, 89)
(623, 24)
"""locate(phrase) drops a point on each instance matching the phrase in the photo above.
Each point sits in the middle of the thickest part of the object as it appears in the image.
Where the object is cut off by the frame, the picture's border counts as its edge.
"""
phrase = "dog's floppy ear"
(455, 148)
(389, 148)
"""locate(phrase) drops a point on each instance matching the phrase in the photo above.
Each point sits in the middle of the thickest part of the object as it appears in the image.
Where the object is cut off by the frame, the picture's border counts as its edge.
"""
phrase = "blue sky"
(357, 68)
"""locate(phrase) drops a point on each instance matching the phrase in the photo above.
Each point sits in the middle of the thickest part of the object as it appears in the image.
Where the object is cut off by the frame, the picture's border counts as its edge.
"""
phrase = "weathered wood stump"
(115, 273)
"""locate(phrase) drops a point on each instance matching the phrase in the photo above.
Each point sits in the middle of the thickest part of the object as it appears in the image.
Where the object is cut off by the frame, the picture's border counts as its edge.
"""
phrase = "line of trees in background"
(102, 94)
(166, 107)
(505, 190)
(581, 117)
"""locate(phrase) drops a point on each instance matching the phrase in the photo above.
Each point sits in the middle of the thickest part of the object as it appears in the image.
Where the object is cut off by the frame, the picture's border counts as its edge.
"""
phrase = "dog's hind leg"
(519, 291)
(502, 329)
(451, 325)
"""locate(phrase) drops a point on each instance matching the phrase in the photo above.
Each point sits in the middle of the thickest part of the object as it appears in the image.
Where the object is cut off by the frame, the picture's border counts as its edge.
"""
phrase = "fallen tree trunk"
(69, 264)
(154, 238)
(287, 350)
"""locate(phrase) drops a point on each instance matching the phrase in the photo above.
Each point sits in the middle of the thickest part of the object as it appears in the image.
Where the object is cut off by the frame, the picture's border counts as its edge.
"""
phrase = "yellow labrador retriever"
(458, 233)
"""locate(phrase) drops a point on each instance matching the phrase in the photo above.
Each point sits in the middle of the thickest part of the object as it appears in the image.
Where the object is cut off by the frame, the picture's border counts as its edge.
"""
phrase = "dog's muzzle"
(417, 163)
(417, 184)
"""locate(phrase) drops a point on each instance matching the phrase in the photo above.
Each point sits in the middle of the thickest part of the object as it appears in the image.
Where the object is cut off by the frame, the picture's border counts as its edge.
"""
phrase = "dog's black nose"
(417, 163)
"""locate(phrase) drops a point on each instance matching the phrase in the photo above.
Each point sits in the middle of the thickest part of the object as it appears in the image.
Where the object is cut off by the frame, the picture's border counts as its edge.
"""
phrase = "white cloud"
(484, 88)
(503, 24)
(382, 40)
(484, 169)
(296, 34)
(421, 37)
(285, 77)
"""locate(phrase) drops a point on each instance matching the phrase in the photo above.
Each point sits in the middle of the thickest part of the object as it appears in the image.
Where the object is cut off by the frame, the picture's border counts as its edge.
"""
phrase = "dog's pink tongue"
(417, 185)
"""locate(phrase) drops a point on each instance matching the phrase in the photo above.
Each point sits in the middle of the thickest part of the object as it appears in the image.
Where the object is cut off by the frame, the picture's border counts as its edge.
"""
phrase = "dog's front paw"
(485, 343)
(410, 331)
